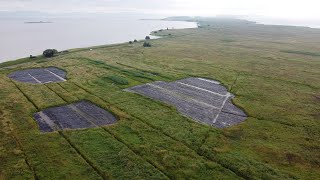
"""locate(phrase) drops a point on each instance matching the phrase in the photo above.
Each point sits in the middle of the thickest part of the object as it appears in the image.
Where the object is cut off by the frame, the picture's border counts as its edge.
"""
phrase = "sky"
(289, 9)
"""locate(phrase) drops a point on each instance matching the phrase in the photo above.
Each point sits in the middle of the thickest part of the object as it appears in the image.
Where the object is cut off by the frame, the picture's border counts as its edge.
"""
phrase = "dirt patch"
(205, 101)
(39, 75)
(317, 97)
(78, 115)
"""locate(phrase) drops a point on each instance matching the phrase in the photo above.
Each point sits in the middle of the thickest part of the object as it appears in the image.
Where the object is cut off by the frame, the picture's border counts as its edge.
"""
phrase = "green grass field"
(274, 71)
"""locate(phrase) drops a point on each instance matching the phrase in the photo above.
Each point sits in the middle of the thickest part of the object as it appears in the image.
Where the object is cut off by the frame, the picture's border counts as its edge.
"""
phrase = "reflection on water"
(20, 39)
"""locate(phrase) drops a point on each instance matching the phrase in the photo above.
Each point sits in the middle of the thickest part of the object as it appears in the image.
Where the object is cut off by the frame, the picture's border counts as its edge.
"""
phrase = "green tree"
(48, 53)
(146, 44)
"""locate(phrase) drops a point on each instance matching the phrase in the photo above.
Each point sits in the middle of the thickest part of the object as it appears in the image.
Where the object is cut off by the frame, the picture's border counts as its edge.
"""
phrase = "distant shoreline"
(150, 19)
(38, 22)
(21, 60)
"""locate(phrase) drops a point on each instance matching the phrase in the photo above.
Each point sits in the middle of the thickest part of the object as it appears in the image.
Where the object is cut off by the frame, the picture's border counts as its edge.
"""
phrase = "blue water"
(19, 39)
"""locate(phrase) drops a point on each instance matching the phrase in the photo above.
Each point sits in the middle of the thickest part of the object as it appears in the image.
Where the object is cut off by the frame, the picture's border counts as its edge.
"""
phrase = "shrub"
(55, 51)
(49, 53)
(146, 44)
(135, 40)
(301, 52)
(32, 57)
(118, 80)
(130, 42)
(147, 37)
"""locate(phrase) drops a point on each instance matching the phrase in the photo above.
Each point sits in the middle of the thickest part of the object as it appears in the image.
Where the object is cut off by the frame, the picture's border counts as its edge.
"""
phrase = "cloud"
(85, 6)
(272, 8)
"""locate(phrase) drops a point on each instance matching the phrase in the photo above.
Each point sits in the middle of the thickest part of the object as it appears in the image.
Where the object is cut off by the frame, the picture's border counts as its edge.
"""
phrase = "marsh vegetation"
(279, 92)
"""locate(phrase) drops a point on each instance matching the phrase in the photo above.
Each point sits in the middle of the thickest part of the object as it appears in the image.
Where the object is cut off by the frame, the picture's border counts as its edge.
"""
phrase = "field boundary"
(113, 135)
(158, 130)
(62, 135)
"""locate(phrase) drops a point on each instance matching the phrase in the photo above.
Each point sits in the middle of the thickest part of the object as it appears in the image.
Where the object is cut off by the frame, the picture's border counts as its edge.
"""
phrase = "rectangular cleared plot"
(202, 114)
(29, 79)
(22, 76)
(65, 118)
(189, 107)
(226, 120)
(100, 116)
(167, 97)
(79, 115)
(207, 85)
(199, 95)
(202, 100)
(39, 75)
(44, 76)
(57, 71)
(152, 92)
(43, 125)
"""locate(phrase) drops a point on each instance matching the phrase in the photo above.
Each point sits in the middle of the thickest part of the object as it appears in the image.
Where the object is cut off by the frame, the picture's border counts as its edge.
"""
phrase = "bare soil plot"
(78, 115)
(203, 100)
(39, 75)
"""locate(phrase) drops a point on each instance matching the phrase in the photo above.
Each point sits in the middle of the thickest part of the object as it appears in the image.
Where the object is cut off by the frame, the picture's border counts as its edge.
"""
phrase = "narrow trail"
(25, 95)
(15, 136)
(220, 109)
(234, 82)
(87, 160)
(55, 93)
(26, 158)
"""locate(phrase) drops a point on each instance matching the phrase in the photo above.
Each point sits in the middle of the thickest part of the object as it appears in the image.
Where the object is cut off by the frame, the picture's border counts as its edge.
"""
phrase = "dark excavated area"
(203, 100)
(39, 75)
(78, 115)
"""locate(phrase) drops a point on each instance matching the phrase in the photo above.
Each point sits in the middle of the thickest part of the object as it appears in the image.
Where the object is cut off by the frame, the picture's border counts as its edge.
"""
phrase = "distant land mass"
(38, 22)
(222, 19)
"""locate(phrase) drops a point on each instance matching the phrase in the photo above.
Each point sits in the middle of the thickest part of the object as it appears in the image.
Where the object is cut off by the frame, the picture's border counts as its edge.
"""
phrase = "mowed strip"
(111, 156)
(203, 100)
